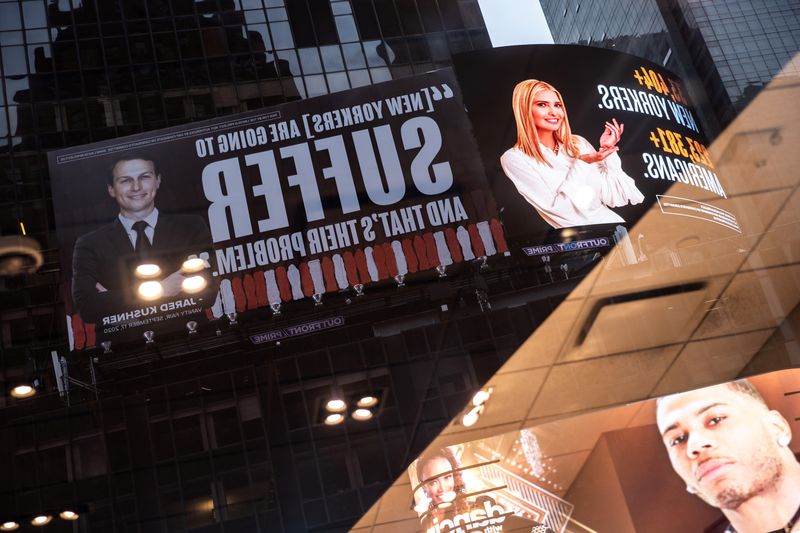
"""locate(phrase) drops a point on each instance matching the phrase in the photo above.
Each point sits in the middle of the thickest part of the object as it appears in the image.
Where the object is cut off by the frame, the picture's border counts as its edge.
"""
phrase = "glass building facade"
(230, 440)
(216, 435)
(749, 43)
(731, 48)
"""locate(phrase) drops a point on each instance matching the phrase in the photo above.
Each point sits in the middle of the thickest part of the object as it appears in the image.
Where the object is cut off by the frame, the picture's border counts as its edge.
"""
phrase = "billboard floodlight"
(194, 284)
(148, 270)
(151, 290)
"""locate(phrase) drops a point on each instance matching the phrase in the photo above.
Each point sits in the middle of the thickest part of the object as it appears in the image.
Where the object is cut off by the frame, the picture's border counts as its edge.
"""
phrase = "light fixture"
(9, 526)
(317, 299)
(479, 399)
(367, 401)
(481, 396)
(106, 346)
(471, 417)
(20, 255)
(400, 279)
(191, 327)
(23, 391)
(532, 451)
(359, 288)
(68, 515)
(276, 308)
(333, 419)
(335, 405)
(362, 414)
(193, 264)
(232, 318)
(148, 336)
(148, 270)
(194, 284)
(150, 290)
(41, 520)
(567, 234)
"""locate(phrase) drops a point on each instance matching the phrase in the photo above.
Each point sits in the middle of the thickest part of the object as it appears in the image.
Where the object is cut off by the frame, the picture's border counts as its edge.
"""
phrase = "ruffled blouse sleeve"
(616, 188)
(543, 188)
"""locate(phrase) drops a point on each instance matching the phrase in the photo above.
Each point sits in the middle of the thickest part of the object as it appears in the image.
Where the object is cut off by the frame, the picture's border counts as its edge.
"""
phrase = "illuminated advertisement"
(579, 142)
(295, 203)
(718, 459)
(471, 487)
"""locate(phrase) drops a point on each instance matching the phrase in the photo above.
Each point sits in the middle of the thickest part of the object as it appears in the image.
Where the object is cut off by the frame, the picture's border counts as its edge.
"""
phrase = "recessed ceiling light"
(367, 401)
(335, 405)
(23, 391)
(9, 526)
(41, 520)
(362, 414)
(471, 417)
(68, 515)
(481, 396)
(333, 419)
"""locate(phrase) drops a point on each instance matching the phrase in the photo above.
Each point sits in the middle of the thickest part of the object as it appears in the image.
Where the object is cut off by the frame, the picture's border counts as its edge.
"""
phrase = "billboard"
(468, 487)
(579, 142)
(290, 203)
(716, 459)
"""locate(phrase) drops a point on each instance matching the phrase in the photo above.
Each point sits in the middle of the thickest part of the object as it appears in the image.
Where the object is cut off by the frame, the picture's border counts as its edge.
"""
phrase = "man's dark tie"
(142, 247)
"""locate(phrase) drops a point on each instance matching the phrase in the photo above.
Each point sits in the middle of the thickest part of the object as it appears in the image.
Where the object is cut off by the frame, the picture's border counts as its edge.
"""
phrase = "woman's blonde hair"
(525, 94)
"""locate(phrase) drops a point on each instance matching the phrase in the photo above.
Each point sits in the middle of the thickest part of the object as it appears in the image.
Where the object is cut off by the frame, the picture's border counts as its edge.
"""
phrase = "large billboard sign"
(579, 142)
(282, 204)
(470, 487)
(719, 459)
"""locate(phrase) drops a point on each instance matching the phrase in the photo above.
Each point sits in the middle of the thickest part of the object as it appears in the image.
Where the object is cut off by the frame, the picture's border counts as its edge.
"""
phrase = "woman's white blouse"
(571, 192)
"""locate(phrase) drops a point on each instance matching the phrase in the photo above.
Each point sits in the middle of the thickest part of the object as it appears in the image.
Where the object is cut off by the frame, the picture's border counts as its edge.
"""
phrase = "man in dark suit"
(103, 262)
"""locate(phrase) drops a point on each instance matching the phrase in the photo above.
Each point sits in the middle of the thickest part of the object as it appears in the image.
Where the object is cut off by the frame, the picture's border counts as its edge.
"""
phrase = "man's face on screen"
(134, 187)
(722, 443)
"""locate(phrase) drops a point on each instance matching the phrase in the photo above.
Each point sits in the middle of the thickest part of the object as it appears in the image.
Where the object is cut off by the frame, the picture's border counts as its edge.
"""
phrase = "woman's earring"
(690, 489)
(784, 440)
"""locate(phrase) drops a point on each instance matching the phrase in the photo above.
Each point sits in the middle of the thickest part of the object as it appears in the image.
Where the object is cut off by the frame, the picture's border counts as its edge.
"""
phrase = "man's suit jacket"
(106, 256)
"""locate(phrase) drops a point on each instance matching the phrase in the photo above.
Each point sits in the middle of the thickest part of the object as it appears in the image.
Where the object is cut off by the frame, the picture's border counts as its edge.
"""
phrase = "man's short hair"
(129, 156)
(742, 386)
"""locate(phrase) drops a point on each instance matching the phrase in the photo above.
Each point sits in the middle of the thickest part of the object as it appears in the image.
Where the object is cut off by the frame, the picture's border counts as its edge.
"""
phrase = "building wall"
(633, 27)
(726, 50)
(641, 28)
(224, 439)
(749, 42)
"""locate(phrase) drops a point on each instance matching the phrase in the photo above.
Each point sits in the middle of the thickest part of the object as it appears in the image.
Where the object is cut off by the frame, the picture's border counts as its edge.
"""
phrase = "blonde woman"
(561, 174)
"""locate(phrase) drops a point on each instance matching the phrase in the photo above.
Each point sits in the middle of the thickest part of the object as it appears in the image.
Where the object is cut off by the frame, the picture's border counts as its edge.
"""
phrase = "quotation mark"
(446, 92)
